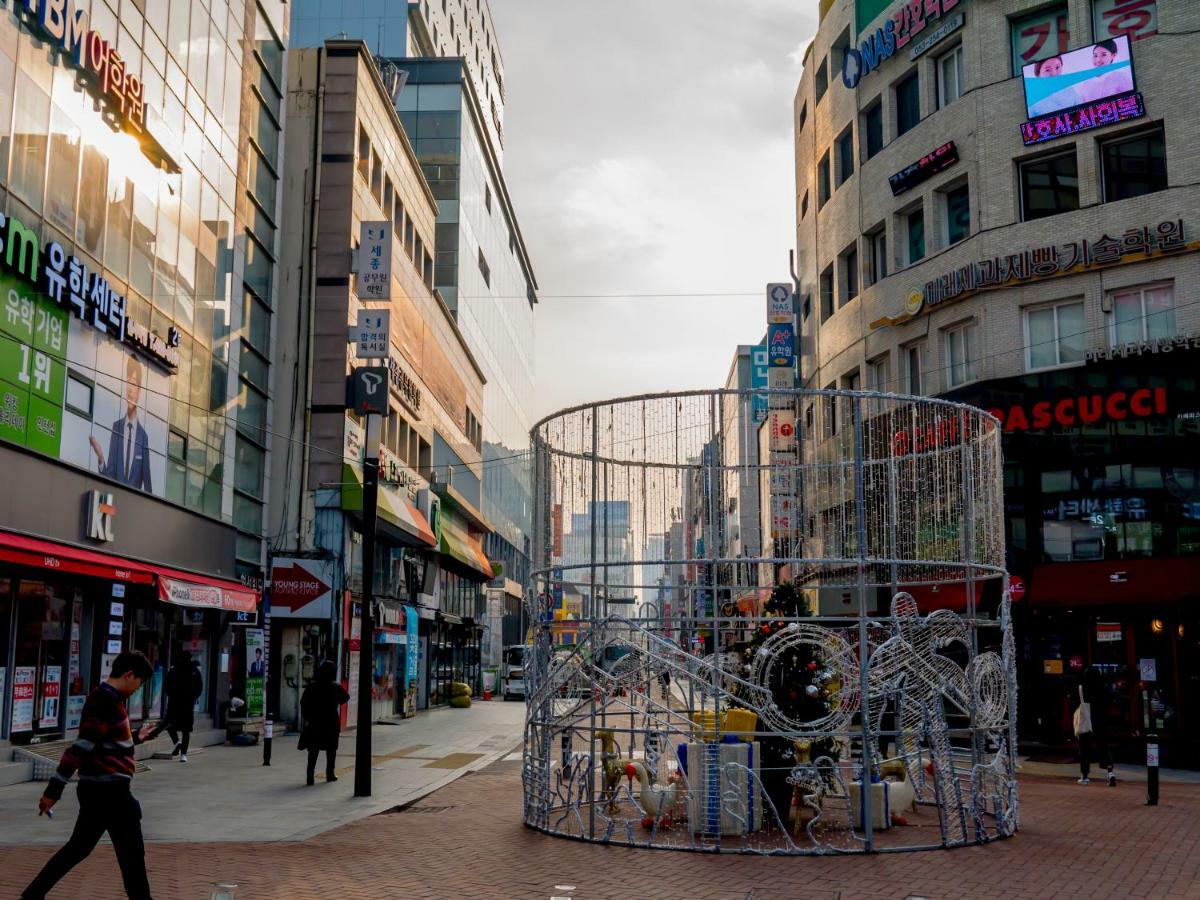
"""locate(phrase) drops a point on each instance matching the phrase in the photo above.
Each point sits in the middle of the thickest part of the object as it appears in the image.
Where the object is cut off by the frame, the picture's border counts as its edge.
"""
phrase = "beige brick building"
(968, 228)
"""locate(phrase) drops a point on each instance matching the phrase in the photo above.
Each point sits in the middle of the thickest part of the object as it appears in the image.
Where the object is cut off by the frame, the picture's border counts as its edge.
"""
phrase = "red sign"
(301, 584)
(556, 519)
(1016, 587)
(942, 432)
(1084, 409)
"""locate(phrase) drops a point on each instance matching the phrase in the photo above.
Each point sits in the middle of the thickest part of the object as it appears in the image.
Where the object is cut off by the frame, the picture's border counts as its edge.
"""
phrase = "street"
(466, 838)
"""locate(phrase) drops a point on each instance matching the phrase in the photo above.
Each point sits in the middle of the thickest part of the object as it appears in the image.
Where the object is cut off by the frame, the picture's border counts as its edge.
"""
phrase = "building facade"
(139, 222)
(448, 85)
(349, 169)
(997, 203)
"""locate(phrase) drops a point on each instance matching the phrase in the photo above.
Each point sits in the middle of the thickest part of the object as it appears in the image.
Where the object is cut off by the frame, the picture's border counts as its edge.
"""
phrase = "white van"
(513, 671)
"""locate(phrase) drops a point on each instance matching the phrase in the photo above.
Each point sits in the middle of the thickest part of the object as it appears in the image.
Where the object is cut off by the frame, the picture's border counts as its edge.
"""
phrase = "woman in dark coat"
(183, 687)
(320, 708)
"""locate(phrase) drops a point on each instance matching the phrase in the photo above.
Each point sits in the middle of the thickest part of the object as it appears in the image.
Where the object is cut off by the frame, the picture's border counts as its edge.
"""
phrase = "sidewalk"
(226, 794)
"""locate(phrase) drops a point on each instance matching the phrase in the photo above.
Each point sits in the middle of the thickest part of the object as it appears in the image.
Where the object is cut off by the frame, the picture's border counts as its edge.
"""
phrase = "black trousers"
(102, 807)
(174, 731)
(330, 758)
(1097, 746)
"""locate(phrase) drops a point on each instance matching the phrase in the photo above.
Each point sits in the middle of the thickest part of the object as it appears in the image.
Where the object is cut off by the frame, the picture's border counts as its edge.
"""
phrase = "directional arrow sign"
(301, 588)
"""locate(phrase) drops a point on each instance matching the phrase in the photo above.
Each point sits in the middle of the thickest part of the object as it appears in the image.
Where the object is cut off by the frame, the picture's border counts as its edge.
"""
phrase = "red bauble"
(812, 667)
(766, 629)
(793, 695)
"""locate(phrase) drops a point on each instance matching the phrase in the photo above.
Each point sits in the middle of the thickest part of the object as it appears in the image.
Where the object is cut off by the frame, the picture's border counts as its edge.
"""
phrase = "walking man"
(103, 755)
(183, 688)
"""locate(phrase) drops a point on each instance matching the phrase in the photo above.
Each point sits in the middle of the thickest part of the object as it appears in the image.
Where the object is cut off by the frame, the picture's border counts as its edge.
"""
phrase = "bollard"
(268, 730)
(1152, 770)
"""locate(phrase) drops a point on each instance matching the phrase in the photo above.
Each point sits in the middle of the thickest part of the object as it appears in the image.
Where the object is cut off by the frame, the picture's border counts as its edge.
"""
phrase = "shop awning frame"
(467, 552)
(175, 586)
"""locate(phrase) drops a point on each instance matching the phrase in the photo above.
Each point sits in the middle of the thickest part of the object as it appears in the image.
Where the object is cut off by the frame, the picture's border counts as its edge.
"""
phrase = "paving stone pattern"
(466, 840)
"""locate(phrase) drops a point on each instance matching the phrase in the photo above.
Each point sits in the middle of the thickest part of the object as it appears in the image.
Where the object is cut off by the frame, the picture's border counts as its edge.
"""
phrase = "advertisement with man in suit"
(128, 458)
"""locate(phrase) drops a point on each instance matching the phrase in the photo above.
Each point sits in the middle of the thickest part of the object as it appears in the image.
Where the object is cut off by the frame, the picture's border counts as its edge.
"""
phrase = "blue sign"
(412, 648)
(556, 588)
(871, 54)
(759, 364)
(781, 344)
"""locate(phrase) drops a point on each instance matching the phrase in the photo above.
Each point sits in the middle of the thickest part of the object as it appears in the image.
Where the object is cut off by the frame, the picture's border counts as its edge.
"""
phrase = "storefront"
(1102, 496)
(67, 611)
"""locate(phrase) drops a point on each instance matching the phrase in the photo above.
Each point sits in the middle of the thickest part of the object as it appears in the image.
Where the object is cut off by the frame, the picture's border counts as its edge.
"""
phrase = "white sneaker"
(183, 757)
(1085, 781)
(1112, 778)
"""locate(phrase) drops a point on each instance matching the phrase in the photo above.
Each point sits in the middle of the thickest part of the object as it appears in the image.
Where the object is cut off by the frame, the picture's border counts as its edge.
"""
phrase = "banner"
(22, 709)
(51, 691)
(256, 668)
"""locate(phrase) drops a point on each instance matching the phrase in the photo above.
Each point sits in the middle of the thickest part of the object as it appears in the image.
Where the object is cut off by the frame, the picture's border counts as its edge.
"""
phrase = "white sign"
(1152, 754)
(372, 335)
(375, 261)
(302, 588)
(101, 512)
(114, 647)
(116, 609)
(781, 425)
(22, 708)
(779, 303)
(1148, 669)
(116, 628)
(51, 692)
(1108, 632)
(118, 590)
(74, 710)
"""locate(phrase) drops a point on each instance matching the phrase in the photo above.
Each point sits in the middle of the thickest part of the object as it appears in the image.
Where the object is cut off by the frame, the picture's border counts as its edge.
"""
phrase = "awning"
(951, 596)
(174, 585)
(1116, 581)
(394, 508)
(465, 550)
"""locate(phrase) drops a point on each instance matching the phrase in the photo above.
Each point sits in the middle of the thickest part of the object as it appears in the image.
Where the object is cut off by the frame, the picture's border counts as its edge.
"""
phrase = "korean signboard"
(1136, 19)
(1084, 118)
(781, 345)
(375, 261)
(943, 31)
(1142, 348)
(782, 429)
(55, 315)
(368, 393)
(1039, 35)
(897, 31)
(759, 369)
(372, 334)
(924, 168)
(1134, 245)
(256, 670)
(779, 303)
(22, 702)
(301, 588)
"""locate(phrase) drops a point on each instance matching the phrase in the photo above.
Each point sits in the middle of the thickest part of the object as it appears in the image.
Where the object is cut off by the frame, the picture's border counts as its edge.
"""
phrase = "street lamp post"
(366, 646)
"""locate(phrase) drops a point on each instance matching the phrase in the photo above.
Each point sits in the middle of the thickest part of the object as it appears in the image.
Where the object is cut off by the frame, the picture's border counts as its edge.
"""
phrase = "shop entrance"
(41, 657)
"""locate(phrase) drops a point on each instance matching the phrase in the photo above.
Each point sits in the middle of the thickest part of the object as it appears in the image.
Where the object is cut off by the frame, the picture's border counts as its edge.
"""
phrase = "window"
(822, 81)
(802, 118)
(908, 103)
(364, 154)
(804, 205)
(961, 358)
(849, 275)
(806, 307)
(484, 269)
(823, 181)
(879, 267)
(79, 394)
(1054, 335)
(877, 370)
(1134, 166)
(389, 196)
(1112, 18)
(845, 156)
(1039, 35)
(958, 214)
(827, 293)
(1049, 186)
(487, 197)
(914, 368)
(1143, 314)
(376, 176)
(915, 222)
(831, 409)
(950, 77)
(873, 127)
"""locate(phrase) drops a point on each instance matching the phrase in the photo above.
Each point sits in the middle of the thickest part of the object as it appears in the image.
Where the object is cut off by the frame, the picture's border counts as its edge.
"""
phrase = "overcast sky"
(648, 150)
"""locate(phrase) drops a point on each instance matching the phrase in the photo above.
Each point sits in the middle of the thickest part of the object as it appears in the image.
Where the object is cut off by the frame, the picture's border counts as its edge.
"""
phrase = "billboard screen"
(1083, 76)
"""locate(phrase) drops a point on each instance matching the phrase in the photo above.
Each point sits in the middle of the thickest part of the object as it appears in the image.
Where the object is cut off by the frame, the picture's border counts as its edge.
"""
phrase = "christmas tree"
(800, 683)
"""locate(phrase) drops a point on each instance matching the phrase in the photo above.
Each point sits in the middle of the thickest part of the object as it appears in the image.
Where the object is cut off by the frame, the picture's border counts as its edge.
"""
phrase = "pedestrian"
(664, 678)
(1091, 727)
(320, 708)
(183, 688)
(103, 756)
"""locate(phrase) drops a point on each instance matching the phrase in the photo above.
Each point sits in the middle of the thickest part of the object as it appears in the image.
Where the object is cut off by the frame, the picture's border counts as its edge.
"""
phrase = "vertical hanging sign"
(375, 261)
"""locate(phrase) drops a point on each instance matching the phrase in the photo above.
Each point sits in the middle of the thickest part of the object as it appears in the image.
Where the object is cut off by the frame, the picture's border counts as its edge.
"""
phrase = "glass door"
(40, 661)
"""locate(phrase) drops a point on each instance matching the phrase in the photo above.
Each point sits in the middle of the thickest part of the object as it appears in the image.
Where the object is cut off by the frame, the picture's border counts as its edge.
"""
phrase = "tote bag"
(1083, 716)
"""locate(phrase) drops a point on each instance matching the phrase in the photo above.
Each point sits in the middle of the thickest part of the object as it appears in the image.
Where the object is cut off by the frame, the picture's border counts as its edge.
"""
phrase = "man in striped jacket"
(103, 756)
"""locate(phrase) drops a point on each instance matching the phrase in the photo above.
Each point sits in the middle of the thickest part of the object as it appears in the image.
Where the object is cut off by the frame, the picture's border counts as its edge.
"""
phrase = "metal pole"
(1151, 769)
(269, 721)
(591, 616)
(860, 518)
(366, 646)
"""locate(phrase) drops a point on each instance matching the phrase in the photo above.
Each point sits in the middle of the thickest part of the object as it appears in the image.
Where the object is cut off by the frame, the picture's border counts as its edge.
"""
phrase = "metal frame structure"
(672, 703)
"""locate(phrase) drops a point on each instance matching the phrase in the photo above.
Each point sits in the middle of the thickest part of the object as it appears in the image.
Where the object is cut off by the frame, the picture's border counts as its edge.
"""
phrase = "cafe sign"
(1041, 263)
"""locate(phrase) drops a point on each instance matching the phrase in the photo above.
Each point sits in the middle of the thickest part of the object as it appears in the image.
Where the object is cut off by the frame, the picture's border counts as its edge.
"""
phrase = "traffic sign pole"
(366, 645)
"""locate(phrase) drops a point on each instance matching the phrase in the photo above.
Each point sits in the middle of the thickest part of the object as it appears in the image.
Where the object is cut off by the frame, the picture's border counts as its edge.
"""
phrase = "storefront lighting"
(1156, 625)
(1179, 629)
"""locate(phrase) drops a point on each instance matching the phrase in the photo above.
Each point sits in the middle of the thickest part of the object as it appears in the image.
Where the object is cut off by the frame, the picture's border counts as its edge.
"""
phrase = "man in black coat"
(321, 708)
(183, 688)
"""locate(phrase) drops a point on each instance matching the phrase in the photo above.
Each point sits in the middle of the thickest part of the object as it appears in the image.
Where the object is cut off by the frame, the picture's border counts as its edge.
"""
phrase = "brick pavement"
(466, 840)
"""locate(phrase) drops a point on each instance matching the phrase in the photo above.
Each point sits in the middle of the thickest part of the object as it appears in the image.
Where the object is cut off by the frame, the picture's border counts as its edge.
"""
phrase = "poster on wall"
(255, 671)
(51, 692)
(411, 662)
(78, 390)
(1087, 75)
(22, 708)
(74, 711)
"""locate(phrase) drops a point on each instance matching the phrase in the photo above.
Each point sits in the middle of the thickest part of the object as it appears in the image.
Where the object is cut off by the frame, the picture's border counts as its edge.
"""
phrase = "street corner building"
(997, 203)
(139, 146)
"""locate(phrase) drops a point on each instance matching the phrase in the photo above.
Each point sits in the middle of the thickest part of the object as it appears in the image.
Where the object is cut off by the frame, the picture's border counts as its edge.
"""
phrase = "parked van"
(513, 669)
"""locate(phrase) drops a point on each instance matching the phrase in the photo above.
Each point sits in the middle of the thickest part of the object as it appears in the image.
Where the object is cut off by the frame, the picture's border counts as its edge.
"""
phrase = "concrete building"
(446, 78)
(350, 162)
(997, 203)
(140, 216)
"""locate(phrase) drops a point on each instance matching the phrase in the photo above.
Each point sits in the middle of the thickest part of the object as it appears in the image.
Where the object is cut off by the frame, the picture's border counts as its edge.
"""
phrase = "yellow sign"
(1052, 666)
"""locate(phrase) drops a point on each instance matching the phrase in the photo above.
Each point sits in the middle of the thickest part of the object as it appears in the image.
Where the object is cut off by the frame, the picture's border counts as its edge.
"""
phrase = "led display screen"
(1080, 77)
